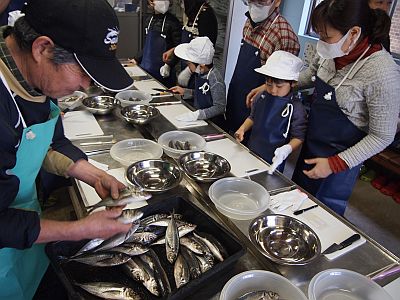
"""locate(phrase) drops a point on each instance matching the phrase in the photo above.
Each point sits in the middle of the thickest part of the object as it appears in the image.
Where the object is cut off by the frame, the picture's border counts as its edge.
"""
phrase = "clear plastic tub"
(258, 280)
(239, 198)
(129, 151)
(130, 97)
(197, 142)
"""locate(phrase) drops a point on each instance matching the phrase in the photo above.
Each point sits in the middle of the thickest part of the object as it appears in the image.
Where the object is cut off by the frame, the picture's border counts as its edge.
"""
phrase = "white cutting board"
(80, 124)
(147, 86)
(328, 228)
(92, 198)
(171, 111)
(135, 71)
(242, 162)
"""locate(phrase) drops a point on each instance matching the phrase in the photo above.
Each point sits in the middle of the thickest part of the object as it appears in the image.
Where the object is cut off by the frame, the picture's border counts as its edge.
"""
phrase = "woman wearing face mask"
(199, 20)
(163, 31)
(264, 32)
(356, 106)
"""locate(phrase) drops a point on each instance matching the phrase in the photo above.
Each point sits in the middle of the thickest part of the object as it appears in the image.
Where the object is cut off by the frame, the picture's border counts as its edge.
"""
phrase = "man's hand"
(320, 170)
(253, 93)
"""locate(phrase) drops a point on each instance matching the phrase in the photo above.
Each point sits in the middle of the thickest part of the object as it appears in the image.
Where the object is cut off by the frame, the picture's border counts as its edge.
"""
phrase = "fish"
(117, 239)
(192, 262)
(181, 271)
(88, 246)
(195, 245)
(126, 196)
(212, 243)
(152, 260)
(143, 238)
(260, 295)
(213, 248)
(129, 216)
(108, 290)
(141, 271)
(205, 263)
(130, 249)
(154, 218)
(182, 231)
(172, 241)
(101, 259)
(158, 230)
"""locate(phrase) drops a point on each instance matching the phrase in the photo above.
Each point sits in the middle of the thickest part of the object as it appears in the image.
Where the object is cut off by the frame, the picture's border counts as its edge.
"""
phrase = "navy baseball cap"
(87, 28)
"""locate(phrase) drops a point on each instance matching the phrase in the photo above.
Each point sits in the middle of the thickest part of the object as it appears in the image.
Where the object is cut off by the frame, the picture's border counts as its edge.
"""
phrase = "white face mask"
(161, 6)
(260, 13)
(330, 51)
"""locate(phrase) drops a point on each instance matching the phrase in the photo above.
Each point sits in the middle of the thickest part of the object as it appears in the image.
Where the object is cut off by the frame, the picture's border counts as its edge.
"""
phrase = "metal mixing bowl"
(153, 175)
(99, 105)
(204, 166)
(139, 114)
(284, 240)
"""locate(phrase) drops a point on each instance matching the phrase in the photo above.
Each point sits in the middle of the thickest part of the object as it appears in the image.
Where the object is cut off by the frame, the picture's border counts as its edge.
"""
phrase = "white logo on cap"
(112, 37)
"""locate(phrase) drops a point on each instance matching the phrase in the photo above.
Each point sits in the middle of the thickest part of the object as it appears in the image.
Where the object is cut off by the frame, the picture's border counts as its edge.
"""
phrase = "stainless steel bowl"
(139, 114)
(284, 240)
(204, 166)
(153, 175)
(99, 105)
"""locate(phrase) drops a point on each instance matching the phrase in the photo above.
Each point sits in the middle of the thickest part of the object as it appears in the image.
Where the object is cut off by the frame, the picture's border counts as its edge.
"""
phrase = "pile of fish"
(179, 145)
(260, 295)
(189, 252)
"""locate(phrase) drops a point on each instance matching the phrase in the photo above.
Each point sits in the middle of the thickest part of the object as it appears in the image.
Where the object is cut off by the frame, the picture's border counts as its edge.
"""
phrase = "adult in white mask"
(264, 32)
(163, 31)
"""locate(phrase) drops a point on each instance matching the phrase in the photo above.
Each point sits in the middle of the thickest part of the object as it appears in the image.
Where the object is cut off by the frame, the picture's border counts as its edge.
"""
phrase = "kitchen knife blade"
(347, 242)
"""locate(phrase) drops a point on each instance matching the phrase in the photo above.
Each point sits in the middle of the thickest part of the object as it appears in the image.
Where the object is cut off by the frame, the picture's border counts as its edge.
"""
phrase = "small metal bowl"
(139, 114)
(153, 175)
(99, 105)
(204, 166)
(284, 240)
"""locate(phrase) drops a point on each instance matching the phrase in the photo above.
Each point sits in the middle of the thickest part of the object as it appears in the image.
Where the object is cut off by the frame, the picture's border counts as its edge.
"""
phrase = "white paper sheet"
(147, 86)
(80, 124)
(171, 111)
(242, 162)
(135, 71)
(328, 228)
(91, 197)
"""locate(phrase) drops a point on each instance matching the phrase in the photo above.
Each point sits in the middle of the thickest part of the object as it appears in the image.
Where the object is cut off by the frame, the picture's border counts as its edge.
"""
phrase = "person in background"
(209, 93)
(264, 32)
(277, 117)
(163, 31)
(199, 19)
(47, 54)
(7, 6)
(355, 110)
(385, 5)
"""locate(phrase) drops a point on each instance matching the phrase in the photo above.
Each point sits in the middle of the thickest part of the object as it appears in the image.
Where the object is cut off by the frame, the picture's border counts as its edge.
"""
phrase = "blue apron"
(202, 94)
(22, 270)
(272, 117)
(329, 133)
(154, 47)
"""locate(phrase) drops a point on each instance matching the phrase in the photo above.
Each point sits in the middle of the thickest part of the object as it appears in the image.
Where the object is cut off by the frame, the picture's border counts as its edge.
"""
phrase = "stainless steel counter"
(366, 259)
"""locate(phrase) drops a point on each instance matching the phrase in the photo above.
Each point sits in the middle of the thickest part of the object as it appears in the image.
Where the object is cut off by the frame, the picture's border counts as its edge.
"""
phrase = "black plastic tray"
(73, 271)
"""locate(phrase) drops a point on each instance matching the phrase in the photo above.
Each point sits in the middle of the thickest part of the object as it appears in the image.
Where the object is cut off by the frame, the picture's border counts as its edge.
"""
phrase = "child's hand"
(239, 135)
(178, 90)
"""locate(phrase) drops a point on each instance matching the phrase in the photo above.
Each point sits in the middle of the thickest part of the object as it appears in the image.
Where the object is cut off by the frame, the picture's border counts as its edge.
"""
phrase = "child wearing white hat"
(210, 93)
(277, 118)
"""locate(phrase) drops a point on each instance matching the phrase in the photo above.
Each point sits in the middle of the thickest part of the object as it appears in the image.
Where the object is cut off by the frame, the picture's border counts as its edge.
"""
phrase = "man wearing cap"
(277, 117)
(59, 46)
(209, 91)
(264, 32)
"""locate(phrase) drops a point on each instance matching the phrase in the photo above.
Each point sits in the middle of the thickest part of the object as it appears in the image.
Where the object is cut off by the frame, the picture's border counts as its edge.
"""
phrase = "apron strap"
(148, 26)
(197, 16)
(162, 28)
(21, 118)
(288, 111)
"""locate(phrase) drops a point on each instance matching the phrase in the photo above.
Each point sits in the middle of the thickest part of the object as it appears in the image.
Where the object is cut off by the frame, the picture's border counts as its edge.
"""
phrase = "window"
(394, 30)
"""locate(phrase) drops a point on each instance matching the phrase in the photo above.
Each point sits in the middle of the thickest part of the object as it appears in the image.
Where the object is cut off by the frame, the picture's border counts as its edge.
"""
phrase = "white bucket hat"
(199, 51)
(282, 65)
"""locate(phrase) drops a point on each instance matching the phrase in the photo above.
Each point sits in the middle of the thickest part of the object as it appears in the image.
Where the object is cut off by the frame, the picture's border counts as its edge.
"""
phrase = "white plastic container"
(197, 142)
(341, 284)
(258, 280)
(130, 97)
(129, 151)
(239, 198)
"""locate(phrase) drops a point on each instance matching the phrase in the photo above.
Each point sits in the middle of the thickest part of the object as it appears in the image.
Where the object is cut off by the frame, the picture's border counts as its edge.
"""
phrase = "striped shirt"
(275, 33)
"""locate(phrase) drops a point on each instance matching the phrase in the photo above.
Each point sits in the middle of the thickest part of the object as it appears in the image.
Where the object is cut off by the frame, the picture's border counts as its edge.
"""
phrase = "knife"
(347, 242)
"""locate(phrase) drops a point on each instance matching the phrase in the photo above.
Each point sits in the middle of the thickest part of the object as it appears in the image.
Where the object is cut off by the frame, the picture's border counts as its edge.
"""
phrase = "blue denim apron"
(22, 270)
(272, 116)
(329, 133)
(154, 47)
